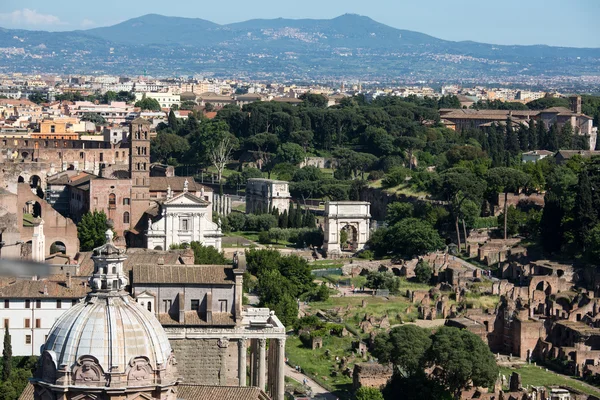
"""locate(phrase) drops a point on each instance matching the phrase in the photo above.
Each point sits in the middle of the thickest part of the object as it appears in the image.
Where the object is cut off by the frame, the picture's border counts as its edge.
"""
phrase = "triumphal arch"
(347, 226)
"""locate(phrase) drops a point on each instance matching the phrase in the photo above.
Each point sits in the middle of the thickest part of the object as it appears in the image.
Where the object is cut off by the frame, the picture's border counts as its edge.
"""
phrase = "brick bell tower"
(139, 167)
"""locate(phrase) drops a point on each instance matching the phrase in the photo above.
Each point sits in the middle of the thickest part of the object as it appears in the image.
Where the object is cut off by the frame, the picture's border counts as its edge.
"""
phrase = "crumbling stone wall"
(370, 375)
(206, 361)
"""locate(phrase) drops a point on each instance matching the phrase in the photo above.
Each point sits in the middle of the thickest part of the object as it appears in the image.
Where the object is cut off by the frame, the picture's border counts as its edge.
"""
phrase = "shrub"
(376, 175)
(366, 255)
(264, 238)
(423, 271)
(395, 177)
(236, 221)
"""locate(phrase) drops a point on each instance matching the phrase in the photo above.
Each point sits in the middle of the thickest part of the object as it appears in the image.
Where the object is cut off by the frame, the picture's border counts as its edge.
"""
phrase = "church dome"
(108, 339)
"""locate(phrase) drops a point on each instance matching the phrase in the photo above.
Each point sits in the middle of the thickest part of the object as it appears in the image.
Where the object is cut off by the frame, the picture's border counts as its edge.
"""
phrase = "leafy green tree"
(207, 255)
(168, 146)
(586, 215)
(6, 356)
(187, 105)
(397, 211)
(368, 393)
(91, 230)
(464, 360)
(405, 347)
(314, 100)
(383, 280)
(148, 104)
(236, 221)
(290, 153)
(460, 185)
(93, 117)
(413, 237)
(303, 138)
(125, 96)
(37, 97)
(423, 272)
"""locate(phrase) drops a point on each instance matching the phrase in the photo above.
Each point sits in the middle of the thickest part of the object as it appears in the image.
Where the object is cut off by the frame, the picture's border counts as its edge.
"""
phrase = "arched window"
(112, 199)
(125, 217)
(150, 306)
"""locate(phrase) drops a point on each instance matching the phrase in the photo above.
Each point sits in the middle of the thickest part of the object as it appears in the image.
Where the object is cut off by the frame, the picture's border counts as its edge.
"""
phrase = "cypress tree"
(512, 139)
(523, 138)
(585, 214)
(283, 220)
(542, 140)
(532, 136)
(565, 137)
(552, 138)
(6, 356)
(298, 215)
(172, 120)
(292, 217)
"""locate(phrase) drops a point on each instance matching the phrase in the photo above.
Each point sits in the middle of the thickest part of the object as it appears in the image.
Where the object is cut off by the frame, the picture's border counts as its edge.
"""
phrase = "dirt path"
(318, 391)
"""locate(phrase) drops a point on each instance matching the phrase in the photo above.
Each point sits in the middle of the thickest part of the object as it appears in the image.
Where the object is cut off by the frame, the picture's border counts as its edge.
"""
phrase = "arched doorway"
(349, 238)
(58, 247)
(71, 167)
(31, 211)
(21, 180)
(25, 155)
(35, 182)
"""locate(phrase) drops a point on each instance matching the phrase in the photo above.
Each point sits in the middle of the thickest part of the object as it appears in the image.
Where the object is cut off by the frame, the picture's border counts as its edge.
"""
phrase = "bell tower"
(139, 167)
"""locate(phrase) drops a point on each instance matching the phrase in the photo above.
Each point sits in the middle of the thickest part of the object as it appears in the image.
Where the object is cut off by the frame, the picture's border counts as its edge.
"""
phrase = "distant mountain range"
(346, 47)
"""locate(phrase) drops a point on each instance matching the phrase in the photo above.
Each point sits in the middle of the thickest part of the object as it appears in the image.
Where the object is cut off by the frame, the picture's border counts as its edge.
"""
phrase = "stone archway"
(352, 217)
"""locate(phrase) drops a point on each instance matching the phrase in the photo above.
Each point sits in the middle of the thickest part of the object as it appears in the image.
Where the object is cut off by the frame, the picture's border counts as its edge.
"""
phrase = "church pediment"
(186, 199)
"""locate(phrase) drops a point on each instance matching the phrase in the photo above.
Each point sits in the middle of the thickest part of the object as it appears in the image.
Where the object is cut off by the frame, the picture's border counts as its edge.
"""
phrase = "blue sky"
(553, 22)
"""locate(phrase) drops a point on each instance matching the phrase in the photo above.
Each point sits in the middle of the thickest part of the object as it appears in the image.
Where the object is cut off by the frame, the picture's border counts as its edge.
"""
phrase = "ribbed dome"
(108, 340)
(114, 329)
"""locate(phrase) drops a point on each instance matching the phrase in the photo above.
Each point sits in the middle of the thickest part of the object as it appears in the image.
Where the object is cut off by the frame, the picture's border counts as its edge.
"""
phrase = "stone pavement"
(318, 391)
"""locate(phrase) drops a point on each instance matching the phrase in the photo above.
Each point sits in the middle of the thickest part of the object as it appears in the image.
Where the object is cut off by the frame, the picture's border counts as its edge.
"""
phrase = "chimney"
(45, 289)
(68, 280)
(181, 306)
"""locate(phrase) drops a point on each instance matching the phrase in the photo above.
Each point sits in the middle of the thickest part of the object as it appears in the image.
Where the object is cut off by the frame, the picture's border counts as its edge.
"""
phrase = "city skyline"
(509, 22)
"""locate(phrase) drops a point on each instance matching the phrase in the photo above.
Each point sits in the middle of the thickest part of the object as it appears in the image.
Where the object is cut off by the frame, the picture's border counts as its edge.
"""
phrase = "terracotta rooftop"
(134, 257)
(35, 289)
(183, 274)
(198, 392)
(161, 183)
(188, 391)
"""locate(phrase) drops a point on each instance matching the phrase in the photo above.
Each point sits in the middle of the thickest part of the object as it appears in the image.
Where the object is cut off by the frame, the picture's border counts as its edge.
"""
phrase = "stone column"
(242, 346)
(252, 362)
(280, 377)
(262, 360)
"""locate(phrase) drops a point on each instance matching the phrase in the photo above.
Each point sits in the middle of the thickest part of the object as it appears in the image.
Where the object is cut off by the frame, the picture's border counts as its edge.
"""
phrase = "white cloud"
(87, 23)
(29, 17)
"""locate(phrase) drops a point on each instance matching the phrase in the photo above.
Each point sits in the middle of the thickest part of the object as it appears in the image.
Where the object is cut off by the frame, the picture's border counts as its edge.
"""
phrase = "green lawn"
(240, 207)
(537, 376)
(376, 306)
(326, 264)
(319, 366)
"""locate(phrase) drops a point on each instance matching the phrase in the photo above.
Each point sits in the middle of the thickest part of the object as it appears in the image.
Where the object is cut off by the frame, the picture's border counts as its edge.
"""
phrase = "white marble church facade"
(184, 218)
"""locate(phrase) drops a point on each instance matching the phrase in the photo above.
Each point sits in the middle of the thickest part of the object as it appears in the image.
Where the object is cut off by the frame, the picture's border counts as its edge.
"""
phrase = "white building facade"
(29, 308)
(184, 218)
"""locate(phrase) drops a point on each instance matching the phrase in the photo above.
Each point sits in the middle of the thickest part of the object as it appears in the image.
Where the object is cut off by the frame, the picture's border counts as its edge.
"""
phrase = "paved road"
(318, 391)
